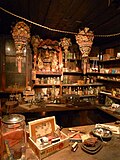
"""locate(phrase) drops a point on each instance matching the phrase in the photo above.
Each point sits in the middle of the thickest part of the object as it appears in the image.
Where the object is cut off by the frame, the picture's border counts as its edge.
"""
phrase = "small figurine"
(40, 63)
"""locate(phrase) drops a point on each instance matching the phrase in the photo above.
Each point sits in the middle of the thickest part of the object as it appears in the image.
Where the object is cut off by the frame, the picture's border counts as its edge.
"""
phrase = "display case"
(12, 81)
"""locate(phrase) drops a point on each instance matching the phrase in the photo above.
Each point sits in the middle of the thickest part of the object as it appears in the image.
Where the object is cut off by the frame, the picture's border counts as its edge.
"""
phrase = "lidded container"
(13, 134)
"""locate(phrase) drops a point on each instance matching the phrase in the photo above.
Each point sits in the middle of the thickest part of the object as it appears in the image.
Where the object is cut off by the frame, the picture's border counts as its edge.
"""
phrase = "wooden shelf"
(112, 60)
(110, 74)
(45, 85)
(84, 96)
(114, 97)
(88, 96)
(48, 73)
(14, 90)
(107, 92)
(71, 73)
(108, 80)
(72, 59)
(75, 84)
(94, 58)
(109, 95)
(93, 73)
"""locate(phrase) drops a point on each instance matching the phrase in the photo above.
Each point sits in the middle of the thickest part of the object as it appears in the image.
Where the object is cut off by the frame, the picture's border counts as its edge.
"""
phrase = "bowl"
(102, 133)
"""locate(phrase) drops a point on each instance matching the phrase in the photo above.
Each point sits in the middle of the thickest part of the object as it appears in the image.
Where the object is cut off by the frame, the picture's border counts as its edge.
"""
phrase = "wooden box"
(43, 127)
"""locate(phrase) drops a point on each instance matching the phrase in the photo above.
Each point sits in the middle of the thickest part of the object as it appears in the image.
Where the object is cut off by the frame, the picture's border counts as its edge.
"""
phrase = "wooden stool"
(10, 105)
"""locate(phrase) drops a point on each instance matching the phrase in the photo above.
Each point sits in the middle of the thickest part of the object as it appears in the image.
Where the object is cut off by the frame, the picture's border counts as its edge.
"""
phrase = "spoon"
(102, 139)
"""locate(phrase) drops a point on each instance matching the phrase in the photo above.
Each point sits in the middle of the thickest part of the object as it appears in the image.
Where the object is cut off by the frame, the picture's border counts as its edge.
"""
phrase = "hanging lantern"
(65, 43)
(21, 36)
(85, 40)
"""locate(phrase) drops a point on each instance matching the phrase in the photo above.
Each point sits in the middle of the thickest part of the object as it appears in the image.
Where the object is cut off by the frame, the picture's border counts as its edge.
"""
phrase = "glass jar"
(13, 134)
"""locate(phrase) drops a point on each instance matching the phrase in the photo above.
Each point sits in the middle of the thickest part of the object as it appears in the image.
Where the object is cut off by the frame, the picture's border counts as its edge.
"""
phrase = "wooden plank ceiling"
(101, 16)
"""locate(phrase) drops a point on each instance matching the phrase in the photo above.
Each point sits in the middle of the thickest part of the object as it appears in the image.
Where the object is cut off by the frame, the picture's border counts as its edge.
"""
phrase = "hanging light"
(85, 40)
(21, 36)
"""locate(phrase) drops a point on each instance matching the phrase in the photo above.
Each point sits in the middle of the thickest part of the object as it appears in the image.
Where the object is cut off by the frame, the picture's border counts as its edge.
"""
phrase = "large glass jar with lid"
(13, 134)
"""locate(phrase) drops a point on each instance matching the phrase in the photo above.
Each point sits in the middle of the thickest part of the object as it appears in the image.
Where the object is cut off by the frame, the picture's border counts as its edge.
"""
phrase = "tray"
(92, 150)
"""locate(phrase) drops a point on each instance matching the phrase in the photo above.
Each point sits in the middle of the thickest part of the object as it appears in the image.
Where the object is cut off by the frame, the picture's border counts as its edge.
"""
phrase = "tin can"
(13, 134)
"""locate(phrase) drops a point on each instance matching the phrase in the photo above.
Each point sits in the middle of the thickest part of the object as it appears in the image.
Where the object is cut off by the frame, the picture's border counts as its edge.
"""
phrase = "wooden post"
(85, 61)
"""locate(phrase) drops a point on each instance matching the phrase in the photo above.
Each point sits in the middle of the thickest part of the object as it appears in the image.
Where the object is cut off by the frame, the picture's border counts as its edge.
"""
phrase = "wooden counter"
(51, 107)
(106, 110)
(66, 115)
(84, 114)
(109, 151)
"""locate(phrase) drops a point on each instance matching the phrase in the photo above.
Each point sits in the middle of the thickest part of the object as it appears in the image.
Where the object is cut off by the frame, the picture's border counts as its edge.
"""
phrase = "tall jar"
(13, 133)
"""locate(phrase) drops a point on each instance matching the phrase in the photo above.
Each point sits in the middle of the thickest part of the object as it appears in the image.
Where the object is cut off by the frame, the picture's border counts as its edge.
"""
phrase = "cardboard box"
(109, 53)
(106, 57)
(43, 127)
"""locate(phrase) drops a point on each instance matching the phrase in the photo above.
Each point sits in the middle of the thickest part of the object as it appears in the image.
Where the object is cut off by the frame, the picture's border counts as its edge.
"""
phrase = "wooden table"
(110, 150)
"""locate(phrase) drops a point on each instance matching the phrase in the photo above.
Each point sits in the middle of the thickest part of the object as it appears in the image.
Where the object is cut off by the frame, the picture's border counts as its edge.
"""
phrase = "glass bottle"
(58, 80)
(42, 80)
(101, 56)
(70, 91)
(63, 90)
(86, 91)
(67, 90)
(80, 92)
(76, 90)
(13, 134)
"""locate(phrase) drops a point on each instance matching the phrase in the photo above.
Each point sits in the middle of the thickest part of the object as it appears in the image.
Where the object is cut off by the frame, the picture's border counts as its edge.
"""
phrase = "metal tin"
(13, 118)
